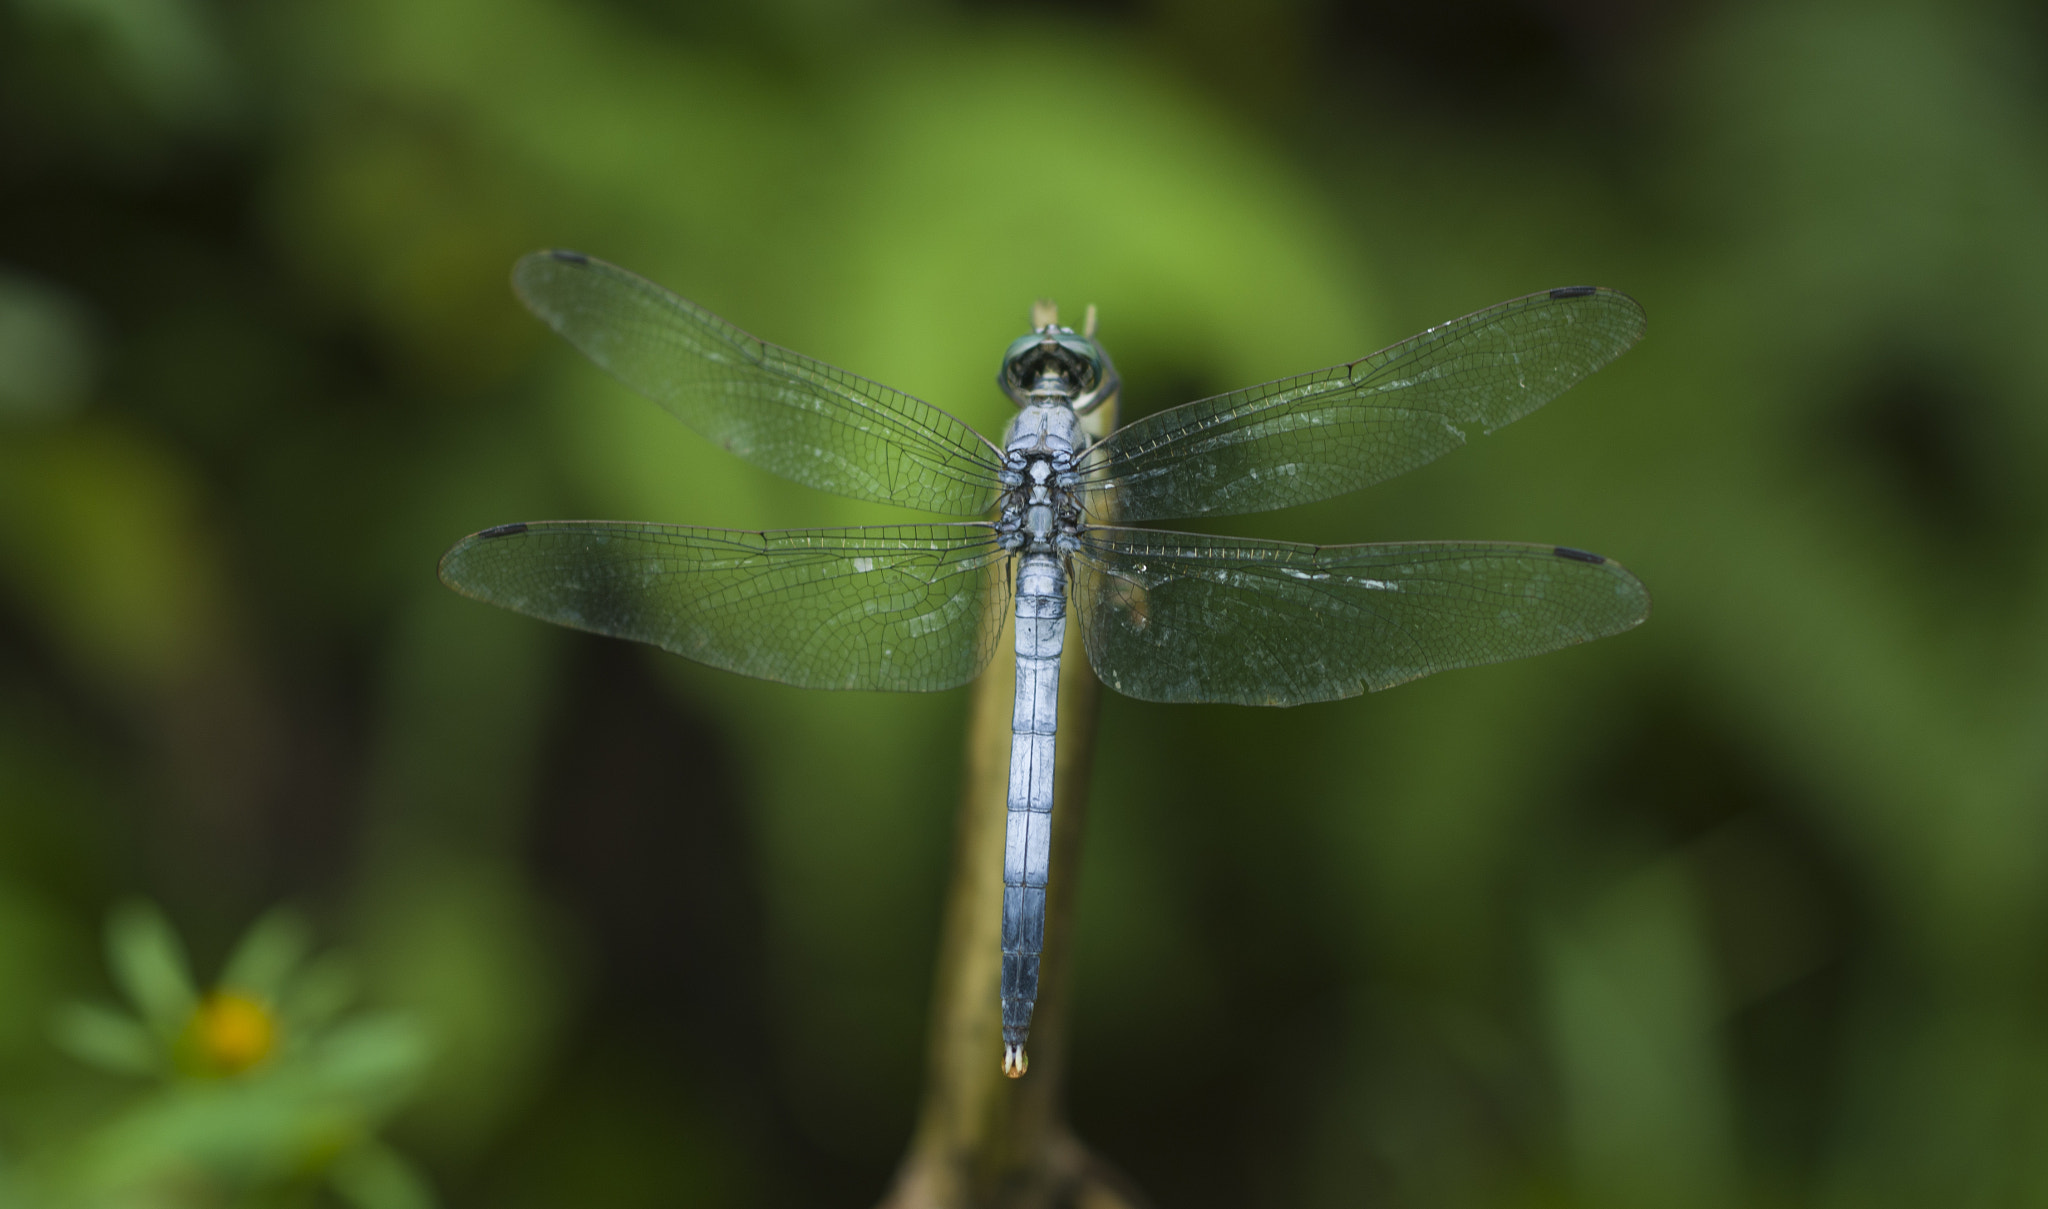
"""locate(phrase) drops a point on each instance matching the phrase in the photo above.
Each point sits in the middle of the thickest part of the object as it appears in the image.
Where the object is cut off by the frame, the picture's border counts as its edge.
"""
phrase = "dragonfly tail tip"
(1015, 1061)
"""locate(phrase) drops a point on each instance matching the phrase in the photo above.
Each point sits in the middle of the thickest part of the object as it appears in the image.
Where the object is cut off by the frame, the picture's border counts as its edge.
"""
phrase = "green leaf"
(102, 1037)
(269, 952)
(372, 1060)
(149, 964)
(46, 348)
(322, 992)
(373, 1176)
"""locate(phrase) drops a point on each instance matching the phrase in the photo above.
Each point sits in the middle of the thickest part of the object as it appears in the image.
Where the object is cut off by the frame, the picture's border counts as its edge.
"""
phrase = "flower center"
(231, 1032)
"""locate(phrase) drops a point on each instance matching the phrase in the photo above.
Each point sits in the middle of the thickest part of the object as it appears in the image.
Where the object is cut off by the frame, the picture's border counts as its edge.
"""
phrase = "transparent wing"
(1187, 617)
(788, 414)
(904, 608)
(1335, 430)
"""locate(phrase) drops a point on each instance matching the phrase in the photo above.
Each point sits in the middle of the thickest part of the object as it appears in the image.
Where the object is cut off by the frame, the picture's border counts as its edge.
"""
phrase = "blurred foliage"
(263, 1093)
(1749, 907)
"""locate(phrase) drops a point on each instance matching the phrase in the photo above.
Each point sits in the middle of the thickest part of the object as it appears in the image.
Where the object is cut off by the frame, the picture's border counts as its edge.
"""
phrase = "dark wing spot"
(1569, 291)
(580, 258)
(1577, 555)
(504, 530)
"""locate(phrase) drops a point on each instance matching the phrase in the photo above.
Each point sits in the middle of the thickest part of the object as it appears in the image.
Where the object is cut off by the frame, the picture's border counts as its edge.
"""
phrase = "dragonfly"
(1163, 616)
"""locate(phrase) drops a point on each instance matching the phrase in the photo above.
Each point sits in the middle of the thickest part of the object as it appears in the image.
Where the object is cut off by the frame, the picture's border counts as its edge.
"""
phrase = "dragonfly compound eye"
(1075, 360)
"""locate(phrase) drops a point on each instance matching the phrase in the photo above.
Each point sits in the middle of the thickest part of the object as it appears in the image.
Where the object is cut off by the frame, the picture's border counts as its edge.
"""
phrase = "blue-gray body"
(1038, 523)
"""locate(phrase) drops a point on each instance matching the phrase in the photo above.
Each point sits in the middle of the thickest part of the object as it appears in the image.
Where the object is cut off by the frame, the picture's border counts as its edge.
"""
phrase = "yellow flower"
(229, 1032)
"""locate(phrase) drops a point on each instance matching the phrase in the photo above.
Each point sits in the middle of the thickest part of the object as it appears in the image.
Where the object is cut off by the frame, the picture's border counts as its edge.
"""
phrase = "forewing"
(1187, 617)
(908, 608)
(786, 413)
(1335, 430)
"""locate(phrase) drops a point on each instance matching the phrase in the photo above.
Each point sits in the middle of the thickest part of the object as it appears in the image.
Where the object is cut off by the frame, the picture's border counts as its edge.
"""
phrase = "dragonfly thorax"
(1037, 511)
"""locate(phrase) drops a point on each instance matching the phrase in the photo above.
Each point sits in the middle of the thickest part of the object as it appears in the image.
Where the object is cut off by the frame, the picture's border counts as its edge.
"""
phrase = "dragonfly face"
(1057, 361)
(1175, 617)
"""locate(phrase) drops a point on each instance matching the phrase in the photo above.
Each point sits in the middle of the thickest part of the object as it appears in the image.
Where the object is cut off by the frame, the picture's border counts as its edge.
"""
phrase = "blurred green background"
(1748, 907)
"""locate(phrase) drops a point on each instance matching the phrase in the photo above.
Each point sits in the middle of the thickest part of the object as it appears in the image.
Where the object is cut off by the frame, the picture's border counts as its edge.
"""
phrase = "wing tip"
(1627, 578)
(1566, 293)
(544, 255)
(538, 262)
(449, 570)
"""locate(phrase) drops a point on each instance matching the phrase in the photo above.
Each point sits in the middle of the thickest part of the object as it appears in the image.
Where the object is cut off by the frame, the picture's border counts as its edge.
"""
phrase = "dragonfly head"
(1058, 362)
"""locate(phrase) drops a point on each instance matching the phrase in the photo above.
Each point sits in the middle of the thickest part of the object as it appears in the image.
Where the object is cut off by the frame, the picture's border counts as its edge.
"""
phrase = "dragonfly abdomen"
(1027, 849)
